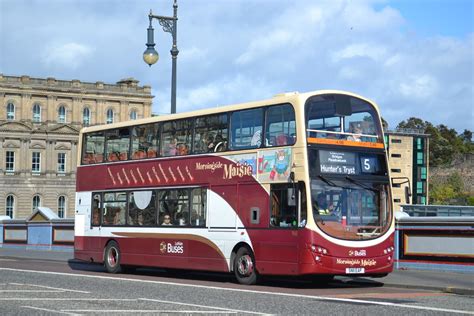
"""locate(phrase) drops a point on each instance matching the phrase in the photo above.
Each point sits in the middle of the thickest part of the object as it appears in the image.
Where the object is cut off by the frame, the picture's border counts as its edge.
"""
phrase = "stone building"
(40, 120)
(408, 157)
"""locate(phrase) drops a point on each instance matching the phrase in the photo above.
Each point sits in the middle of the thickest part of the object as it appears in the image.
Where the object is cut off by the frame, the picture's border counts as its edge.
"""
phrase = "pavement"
(448, 282)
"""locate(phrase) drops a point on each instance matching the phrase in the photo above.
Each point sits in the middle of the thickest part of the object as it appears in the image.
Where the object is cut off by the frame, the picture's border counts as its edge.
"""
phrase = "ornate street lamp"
(150, 56)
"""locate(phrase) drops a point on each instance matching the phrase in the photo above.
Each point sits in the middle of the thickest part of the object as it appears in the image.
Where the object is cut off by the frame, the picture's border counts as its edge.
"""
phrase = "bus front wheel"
(112, 258)
(244, 267)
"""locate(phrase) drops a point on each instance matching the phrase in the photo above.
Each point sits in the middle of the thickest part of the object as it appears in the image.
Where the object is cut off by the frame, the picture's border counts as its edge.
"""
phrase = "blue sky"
(412, 57)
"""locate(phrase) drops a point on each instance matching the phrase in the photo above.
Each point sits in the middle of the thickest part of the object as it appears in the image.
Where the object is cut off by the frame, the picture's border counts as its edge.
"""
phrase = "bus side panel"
(180, 252)
(276, 250)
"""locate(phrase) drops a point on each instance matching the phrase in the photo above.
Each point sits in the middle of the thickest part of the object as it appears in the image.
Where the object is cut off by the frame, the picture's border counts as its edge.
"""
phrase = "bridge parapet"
(435, 243)
(417, 210)
(38, 232)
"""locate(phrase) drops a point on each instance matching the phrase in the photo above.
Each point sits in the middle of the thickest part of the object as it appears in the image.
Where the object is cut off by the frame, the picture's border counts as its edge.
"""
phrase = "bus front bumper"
(356, 266)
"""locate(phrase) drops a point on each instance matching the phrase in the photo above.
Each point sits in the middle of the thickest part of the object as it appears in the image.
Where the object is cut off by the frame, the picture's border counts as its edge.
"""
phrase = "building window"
(10, 206)
(396, 170)
(61, 162)
(423, 200)
(419, 144)
(86, 117)
(61, 206)
(423, 173)
(396, 141)
(396, 155)
(419, 188)
(10, 161)
(36, 113)
(36, 162)
(396, 200)
(110, 116)
(62, 114)
(10, 111)
(133, 115)
(36, 202)
(419, 158)
(396, 185)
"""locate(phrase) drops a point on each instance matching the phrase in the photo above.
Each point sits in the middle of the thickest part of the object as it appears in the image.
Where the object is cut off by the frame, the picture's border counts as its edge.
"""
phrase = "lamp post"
(150, 56)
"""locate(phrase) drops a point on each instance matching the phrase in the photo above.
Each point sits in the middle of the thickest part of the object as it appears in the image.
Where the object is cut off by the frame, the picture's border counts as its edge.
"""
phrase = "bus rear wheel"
(244, 267)
(112, 258)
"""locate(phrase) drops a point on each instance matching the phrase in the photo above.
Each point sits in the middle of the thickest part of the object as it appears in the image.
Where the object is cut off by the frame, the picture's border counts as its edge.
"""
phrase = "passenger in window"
(210, 143)
(356, 134)
(172, 147)
(167, 220)
(140, 219)
(95, 217)
(182, 218)
(118, 220)
(282, 140)
(182, 149)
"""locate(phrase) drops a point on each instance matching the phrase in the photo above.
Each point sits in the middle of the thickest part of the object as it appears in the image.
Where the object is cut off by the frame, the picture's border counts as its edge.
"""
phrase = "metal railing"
(438, 210)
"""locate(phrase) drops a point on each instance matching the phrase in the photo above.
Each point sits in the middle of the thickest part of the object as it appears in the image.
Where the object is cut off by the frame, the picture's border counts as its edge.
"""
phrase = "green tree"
(445, 142)
(414, 123)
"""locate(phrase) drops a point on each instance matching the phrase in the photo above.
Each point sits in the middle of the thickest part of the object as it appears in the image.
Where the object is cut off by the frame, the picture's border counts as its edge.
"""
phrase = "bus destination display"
(339, 162)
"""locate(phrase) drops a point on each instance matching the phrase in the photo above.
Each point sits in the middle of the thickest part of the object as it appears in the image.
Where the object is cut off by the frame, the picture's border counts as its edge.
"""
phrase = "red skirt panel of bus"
(179, 253)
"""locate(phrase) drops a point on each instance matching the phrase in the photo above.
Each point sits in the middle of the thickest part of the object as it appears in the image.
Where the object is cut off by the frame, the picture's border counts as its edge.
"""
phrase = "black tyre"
(244, 267)
(112, 258)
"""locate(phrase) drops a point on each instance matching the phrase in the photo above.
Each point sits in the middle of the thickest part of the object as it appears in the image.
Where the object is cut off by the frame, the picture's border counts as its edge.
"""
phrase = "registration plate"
(355, 270)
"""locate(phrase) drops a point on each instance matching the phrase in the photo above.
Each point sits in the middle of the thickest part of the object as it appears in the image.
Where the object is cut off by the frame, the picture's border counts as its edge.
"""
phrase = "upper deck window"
(176, 137)
(211, 133)
(117, 144)
(280, 125)
(341, 117)
(144, 141)
(246, 128)
(93, 148)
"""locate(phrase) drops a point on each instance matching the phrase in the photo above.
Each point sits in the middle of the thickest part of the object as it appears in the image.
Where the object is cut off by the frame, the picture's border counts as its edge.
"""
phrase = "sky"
(414, 58)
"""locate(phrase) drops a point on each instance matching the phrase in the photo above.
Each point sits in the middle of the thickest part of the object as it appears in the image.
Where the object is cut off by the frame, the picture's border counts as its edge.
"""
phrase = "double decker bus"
(294, 185)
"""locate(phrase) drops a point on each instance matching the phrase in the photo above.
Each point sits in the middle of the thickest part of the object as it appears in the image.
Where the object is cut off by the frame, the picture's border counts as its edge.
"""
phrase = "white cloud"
(243, 50)
(419, 87)
(262, 46)
(69, 55)
(192, 54)
(216, 93)
(371, 51)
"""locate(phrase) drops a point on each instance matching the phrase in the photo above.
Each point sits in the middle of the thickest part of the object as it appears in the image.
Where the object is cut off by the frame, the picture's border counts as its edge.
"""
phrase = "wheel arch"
(234, 253)
(105, 247)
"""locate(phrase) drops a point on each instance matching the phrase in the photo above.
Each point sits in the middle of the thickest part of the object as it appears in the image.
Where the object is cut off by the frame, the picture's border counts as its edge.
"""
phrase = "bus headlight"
(319, 249)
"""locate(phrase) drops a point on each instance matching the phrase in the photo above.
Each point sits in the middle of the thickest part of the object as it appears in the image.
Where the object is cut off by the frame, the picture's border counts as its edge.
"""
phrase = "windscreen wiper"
(328, 182)
(361, 184)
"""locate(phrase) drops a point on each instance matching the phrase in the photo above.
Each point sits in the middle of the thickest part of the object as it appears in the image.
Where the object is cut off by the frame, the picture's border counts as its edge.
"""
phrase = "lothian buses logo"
(163, 247)
(357, 253)
(177, 247)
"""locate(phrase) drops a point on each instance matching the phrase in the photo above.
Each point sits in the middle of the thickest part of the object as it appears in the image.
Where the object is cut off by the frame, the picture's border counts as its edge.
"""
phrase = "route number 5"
(367, 164)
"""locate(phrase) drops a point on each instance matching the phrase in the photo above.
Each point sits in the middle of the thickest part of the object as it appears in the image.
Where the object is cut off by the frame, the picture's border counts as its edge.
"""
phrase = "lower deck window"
(284, 212)
(171, 207)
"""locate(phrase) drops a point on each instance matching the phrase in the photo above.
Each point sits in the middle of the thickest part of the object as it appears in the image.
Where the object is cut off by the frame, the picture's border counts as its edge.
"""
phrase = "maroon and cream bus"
(293, 185)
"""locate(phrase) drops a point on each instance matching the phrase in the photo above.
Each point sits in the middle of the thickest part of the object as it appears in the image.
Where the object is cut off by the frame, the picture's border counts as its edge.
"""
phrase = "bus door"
(277, 249)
